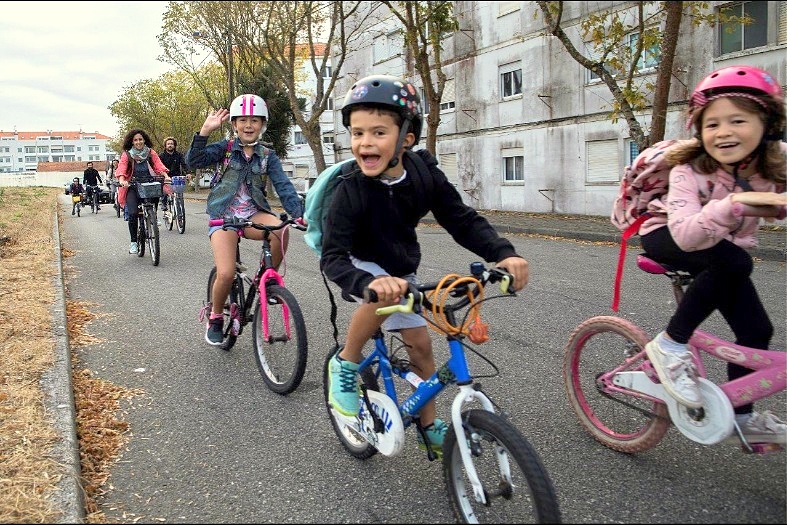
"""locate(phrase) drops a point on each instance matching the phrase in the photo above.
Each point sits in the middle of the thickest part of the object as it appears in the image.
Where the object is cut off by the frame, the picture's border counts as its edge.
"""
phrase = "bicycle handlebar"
(236, 223)
(416, 298)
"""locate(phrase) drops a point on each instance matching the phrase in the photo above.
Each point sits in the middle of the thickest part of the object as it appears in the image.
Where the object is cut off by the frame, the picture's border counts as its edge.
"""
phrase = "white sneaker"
(133, 248)
(763, 428)
(677, 374)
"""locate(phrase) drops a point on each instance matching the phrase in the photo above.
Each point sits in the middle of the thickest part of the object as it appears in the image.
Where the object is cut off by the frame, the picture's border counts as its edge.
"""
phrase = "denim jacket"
(240, 170)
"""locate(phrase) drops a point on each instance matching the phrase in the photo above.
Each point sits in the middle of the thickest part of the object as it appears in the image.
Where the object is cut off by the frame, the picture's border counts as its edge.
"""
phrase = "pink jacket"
(124, 174)
(700, 212)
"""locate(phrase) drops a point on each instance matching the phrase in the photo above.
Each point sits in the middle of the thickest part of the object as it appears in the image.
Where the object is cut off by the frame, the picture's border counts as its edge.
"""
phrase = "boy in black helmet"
(370, 235)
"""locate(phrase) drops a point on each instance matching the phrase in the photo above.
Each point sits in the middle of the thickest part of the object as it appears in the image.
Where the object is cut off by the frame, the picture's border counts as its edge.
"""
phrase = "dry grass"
(28, 473)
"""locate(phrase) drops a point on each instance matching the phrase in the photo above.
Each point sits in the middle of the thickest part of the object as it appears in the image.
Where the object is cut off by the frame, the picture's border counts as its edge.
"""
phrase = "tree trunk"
(664, 76)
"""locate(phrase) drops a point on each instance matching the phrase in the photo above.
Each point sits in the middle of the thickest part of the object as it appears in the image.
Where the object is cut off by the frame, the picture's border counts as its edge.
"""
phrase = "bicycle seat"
(646, 263)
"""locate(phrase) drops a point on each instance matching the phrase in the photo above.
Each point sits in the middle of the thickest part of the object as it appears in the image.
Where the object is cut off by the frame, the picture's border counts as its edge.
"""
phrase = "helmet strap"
(399, 142)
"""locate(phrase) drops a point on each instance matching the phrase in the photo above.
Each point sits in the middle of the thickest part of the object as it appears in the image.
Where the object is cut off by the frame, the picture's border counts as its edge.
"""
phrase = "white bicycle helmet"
(250, 105)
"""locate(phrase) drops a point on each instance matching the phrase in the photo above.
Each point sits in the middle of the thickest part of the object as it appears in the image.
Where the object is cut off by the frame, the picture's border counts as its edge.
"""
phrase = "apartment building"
(524, 126)
(24, 151)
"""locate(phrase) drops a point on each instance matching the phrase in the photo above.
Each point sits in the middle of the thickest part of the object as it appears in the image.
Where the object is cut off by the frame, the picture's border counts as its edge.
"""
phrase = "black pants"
(132, 202)
(722, 280)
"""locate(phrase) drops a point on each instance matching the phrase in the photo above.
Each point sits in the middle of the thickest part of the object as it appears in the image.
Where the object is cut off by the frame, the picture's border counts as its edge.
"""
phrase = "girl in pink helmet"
(240, 191)
(724, 180)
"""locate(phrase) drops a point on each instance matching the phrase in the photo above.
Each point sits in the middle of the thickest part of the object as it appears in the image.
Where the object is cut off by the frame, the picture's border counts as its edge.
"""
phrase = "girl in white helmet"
(239, 191)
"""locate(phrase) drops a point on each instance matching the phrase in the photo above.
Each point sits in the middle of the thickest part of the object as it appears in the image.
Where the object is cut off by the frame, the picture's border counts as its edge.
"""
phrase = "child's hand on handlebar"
(518, 268)
(388, 289)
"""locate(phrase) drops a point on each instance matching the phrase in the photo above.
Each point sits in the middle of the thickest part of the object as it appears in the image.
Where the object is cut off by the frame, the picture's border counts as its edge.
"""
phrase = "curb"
(59, 401)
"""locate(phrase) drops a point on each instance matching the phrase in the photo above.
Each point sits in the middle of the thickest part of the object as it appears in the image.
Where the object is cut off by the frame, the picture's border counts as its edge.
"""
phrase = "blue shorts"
(396, 321)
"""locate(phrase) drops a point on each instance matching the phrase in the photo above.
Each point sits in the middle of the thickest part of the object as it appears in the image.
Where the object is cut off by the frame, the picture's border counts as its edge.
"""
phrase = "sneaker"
(214, 332)
(762, 427)
(158, 222)
(73, 212)
(676, 372)
(436, 434)
(343, 390)
(133, 248)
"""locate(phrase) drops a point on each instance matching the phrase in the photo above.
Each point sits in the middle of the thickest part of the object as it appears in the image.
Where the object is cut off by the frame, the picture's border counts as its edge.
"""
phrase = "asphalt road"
(210, 444)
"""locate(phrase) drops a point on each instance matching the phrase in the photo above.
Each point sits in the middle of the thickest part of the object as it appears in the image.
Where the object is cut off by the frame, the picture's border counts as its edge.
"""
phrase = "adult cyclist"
(91, 179)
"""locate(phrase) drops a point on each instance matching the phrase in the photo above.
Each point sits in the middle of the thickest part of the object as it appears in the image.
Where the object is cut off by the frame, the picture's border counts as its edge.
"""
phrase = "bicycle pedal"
(762, 448)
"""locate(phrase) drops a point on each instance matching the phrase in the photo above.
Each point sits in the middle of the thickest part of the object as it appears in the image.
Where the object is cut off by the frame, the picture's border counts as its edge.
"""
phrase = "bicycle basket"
(179, 184)
(149, 190)
(76, 198)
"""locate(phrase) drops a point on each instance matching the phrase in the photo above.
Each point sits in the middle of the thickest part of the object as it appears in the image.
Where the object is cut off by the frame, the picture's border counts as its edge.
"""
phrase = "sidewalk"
(773, 238)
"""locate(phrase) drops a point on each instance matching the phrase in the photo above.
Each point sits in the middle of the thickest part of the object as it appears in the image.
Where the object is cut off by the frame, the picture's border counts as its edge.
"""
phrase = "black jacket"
(91, 177)
(377, 223)
(174, 162)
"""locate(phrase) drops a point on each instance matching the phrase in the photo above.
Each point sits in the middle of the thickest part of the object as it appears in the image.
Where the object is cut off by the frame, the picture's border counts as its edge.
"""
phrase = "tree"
(424, 25)
(653, 28)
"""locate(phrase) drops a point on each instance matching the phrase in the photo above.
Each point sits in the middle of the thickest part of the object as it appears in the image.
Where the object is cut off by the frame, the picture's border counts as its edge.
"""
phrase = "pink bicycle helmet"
(744, 81)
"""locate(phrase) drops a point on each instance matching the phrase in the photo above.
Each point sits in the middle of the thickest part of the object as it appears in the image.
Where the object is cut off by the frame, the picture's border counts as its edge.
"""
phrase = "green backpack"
(318, 201)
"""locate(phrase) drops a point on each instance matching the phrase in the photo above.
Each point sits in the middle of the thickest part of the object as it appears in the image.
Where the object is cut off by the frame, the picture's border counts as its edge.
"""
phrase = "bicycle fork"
(272, 275)
(466, 394)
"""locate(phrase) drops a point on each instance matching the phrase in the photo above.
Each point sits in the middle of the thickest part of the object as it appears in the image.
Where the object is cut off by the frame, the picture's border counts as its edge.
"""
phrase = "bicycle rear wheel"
(153, 239)
(354, 443)
(516, 485)
(281, 357)
(234, 302)
(180, 209)
(625, 423)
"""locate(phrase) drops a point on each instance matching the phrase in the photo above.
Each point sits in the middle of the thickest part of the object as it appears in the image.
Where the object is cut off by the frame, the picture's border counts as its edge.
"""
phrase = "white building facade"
(22, 151)
(524, 126)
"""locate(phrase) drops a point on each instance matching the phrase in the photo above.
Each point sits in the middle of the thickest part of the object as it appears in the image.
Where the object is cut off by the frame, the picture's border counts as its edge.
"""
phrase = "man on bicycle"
(174, 161)
(91, 179)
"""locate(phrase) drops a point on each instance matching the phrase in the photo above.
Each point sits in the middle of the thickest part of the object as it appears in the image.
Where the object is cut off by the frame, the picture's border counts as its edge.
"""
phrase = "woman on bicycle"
(239, 191)
(141, 162)
(722, 183)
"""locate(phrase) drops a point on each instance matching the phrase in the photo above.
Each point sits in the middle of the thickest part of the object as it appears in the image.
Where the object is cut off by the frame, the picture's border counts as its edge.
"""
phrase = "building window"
(29, 160)
(327, 138)
(736, 36)
(388, 46)
(43, 149)
(511, 82)
(513, 168)
(325, 72)
(30, 149)
(632, 150)
(424, 102)
(449, 95)
(329, 104)
(300, 138)
(68, 149)
(603, 166)
(650, 56)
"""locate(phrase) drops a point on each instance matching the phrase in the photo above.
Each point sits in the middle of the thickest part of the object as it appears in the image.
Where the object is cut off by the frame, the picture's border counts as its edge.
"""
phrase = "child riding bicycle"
(240, 192)
(722, 182)
(76, 190)
(370, 235)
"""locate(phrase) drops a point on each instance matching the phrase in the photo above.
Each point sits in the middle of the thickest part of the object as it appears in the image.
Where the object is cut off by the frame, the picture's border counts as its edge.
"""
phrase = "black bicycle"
(279, 330)
(92, 197)
(147, 221)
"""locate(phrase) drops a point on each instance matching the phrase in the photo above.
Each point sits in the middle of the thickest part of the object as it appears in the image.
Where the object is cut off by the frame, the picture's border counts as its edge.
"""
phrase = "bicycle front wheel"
(141, 235)
(625, 423)
(515, 483)
(151, 225)
(232, 324)
(281, 357)
(180, 209)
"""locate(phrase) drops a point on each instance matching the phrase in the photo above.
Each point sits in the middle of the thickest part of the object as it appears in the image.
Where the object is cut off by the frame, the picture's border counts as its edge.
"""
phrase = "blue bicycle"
(492, 473)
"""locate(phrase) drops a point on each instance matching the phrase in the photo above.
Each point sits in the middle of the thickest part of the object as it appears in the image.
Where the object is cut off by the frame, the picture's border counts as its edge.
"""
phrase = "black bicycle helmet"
(390, 93)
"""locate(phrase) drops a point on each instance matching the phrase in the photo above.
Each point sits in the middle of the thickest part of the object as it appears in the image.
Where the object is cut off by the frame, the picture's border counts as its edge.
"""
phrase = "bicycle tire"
(180, 208)
(528, 496)
(621, 422)
(356, 445)
(169, 220)
(153, 238)
(282, 358)
(94, 204)
(141, 235)
(235, 296)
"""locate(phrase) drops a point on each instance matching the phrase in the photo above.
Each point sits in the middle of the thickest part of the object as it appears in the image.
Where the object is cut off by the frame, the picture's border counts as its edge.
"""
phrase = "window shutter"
(602, 161)
(449, 91)
(448, 166)
(782, 38)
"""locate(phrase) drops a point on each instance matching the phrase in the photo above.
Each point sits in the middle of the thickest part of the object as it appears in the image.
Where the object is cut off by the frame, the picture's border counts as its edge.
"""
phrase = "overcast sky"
(63, 63)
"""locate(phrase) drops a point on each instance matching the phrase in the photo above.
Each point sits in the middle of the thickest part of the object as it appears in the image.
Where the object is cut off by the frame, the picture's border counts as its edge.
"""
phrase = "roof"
(77, 166)
(67, 135)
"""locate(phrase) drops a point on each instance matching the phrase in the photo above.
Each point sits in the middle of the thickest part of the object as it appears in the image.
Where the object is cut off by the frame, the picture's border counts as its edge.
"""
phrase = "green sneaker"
(436, 434)
(344, 394)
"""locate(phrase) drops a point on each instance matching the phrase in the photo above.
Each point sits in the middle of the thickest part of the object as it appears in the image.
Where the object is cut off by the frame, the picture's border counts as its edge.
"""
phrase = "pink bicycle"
(617, 396)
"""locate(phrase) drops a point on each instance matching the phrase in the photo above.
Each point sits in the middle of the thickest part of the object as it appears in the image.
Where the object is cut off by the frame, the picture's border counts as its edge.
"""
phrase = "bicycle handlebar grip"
(369, 295)
(216, 222)
(406, 308)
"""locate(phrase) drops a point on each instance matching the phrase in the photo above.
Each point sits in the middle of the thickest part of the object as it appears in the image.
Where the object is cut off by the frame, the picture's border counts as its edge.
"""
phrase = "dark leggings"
(132, 201)
(722, 280)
